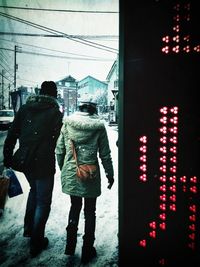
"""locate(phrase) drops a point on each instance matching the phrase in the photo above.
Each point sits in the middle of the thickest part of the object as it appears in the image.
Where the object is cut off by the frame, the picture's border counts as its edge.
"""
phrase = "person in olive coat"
(37, 122)
(90, 139)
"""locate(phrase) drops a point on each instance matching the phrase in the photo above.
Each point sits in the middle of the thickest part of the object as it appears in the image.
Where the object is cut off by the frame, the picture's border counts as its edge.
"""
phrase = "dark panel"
(159, 133)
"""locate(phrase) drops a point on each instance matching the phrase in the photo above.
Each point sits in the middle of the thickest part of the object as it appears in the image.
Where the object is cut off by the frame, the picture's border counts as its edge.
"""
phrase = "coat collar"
(84, 121)
(42, 99)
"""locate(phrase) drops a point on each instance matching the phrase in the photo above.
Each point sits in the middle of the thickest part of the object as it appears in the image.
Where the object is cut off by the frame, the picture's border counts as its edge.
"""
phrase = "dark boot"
(88, 251)
(37, 248)
(71, 238)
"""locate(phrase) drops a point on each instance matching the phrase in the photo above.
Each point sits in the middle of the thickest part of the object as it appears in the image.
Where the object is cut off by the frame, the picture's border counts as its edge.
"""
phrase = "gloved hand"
(110, 182)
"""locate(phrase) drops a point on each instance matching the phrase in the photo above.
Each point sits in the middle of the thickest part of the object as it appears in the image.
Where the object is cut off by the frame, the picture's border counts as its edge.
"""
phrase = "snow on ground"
(14, 248)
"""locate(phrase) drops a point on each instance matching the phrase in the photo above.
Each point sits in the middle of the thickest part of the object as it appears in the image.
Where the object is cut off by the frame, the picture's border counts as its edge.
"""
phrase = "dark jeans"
(89, 214)
(38, 207)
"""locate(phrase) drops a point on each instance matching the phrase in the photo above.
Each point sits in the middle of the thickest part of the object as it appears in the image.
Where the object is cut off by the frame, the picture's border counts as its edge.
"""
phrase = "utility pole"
(2, 84)
(9, 104)
(15, 66)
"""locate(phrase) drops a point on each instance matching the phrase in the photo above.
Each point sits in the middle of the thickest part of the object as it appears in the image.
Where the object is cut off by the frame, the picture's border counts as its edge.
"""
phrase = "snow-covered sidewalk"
(14, 248)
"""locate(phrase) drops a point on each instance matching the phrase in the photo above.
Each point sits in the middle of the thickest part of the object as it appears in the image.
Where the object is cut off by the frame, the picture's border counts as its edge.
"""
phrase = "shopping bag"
(14, 188)
(4, 184)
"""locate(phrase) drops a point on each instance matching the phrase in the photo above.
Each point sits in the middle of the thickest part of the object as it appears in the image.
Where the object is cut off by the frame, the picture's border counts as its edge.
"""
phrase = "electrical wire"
(54, 50)
(63, 10)
(79, 40)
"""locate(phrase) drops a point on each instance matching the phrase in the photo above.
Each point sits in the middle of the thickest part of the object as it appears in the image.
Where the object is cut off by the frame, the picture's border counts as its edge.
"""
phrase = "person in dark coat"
(89, 135)
(37, 121)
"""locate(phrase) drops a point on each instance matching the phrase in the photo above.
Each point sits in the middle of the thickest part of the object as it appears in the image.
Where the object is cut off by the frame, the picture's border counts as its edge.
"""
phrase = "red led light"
(173, 140)
(165, 39)
(163, 178)
(143, 167)
(152, 225)
(193, 189)
(163, 197)
(187, 6)
(186, 49)
(174, 120)
(163, 188)
(143, 177)
(176, 28)
(186, 38)
(192, 208)
(162, 216)
(192, 236)
(176, 18)
(172, 207)
(163, 168)
(162, 261)
(187, 17)
(193, 179)
(173, 130)
(173, 159)
(174, 110)
(152, 234)
(173, 149)
(177, 7)
(197, 48)
(143, 158)
(164, 110)
(172, 179)
(143, 139)
(172, 188)
(183, 179)
(192, 227)
(172, 198)
(163, 206)
(163, 139)
(192, 218)
(143, 149)
(165, 49)
(163, 149)
(163, 120)
(176, 38)
(143, 243)
(163, 159)
(162, 226)
(163, 129)
(173, 169)
(175, 49)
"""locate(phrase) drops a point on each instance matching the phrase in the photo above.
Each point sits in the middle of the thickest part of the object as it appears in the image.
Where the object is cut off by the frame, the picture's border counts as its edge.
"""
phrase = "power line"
(63, 10)
(57, 56)
(79, 40)
(62, 36)
(54, 50)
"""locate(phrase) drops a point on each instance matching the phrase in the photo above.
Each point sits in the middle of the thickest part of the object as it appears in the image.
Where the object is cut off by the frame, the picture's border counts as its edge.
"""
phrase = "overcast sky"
(98, 26)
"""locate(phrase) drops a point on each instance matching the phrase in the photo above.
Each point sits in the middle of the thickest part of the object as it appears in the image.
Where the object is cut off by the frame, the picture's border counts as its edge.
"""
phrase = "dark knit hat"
(49, 88)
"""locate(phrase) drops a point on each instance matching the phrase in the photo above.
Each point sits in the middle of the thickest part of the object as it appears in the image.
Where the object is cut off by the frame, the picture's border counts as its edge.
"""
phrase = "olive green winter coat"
(91, 143)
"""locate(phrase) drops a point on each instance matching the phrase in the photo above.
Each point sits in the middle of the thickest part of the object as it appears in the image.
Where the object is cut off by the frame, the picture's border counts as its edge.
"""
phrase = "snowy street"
(14, 248)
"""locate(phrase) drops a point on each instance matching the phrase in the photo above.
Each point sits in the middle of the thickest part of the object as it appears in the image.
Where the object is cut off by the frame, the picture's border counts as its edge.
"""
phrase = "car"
(6, 119)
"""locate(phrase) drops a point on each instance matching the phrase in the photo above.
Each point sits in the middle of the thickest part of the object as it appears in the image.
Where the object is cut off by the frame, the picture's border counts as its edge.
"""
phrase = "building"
(95, 90)
(68, 91)
(112, 80)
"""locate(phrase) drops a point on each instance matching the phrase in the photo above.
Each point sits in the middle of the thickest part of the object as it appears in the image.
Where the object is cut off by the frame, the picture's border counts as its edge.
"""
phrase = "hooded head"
(49, 88)
(88, 106)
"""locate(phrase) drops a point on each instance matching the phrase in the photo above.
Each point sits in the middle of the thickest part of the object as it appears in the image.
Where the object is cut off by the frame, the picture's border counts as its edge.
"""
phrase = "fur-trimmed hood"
(81, 126)
(41, 102)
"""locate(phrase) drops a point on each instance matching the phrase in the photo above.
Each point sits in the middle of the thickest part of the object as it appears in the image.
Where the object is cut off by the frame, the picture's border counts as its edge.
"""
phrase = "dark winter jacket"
(90, 138)
(38, 121)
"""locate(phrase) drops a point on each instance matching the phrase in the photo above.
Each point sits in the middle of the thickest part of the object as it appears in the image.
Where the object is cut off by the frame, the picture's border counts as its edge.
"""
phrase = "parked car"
(6, 119)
